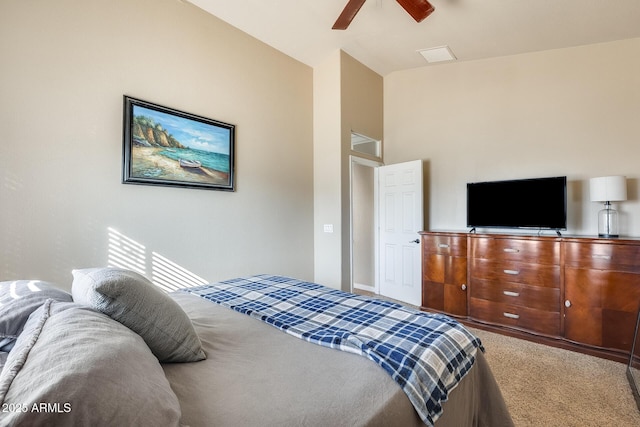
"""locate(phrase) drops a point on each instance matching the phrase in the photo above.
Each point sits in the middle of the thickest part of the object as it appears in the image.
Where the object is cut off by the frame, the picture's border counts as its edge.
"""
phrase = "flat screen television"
(539, 203)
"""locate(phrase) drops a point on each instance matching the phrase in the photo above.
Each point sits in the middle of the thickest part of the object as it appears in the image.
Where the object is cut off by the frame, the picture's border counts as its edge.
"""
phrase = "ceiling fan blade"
(418, 9)
(348, 13)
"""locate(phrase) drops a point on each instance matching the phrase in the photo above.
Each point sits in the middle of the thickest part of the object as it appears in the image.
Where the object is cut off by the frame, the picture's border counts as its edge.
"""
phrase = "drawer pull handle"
(511, 294)
(601, 256)
(463, 287)
(512, 272)
(443, 245)
(511, 250)
(511, 315)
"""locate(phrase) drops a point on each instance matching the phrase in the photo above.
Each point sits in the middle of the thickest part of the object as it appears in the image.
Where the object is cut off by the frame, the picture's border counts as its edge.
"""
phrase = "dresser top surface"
(565, 238)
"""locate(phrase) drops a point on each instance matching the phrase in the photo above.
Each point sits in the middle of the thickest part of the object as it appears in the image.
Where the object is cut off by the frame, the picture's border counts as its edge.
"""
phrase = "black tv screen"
(524, 203)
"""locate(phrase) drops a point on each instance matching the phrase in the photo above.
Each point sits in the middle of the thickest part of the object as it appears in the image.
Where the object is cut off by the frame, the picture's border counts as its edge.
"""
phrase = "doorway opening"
(364, 264)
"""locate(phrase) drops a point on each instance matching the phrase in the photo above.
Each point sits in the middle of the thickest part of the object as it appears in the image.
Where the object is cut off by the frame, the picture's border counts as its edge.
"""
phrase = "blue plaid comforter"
(426, 354)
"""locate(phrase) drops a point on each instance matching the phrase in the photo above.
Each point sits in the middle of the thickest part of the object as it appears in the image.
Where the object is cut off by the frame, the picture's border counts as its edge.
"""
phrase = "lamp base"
(608, 222)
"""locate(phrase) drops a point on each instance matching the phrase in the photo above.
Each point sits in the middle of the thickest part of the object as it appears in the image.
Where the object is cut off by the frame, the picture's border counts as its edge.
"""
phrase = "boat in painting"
(190, 163)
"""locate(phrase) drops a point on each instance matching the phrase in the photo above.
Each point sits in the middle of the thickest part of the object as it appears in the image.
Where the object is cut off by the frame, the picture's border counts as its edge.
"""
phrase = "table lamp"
(608, 189)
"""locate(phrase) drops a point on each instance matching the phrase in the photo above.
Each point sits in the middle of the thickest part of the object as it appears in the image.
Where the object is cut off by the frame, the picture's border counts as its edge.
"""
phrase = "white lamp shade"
(608, 188)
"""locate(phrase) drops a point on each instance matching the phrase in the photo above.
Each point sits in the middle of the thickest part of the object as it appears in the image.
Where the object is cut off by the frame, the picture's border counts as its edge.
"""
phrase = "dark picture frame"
(168, 147)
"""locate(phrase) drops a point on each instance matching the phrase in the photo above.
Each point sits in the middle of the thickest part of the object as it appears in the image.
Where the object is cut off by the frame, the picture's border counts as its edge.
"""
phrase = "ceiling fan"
(418, 9)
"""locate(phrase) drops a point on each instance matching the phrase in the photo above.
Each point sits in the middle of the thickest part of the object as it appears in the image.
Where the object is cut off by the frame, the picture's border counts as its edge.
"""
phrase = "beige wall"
(347, 97)
(326, 171)
(362, 112)
(573, 112)
(65, 67)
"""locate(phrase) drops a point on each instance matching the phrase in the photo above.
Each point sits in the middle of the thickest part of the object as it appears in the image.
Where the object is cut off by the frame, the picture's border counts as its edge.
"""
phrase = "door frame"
(372, 164)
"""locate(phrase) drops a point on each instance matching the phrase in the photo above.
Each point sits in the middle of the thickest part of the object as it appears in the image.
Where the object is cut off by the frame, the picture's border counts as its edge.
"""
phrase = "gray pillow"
(134, 301)
(3, 359)
(75, 366)
(20, 298)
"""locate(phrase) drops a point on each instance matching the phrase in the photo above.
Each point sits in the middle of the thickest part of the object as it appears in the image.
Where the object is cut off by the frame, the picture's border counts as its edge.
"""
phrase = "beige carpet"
(546, 386)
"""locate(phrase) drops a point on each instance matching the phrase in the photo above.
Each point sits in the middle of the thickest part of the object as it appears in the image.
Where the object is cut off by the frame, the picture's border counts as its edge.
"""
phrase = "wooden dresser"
(576, 293)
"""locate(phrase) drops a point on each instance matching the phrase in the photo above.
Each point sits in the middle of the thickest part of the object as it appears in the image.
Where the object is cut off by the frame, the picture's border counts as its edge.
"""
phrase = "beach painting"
(163, 146)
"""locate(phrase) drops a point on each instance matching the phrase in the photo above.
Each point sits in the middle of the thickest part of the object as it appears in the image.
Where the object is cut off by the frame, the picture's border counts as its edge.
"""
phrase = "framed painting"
(163, 146)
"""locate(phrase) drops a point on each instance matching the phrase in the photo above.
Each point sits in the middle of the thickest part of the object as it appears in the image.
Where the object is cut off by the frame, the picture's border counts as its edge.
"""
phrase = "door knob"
(415, 241)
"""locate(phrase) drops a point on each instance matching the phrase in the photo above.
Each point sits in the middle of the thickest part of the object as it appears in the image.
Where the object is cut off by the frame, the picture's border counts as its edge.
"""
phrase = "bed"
(116, 351)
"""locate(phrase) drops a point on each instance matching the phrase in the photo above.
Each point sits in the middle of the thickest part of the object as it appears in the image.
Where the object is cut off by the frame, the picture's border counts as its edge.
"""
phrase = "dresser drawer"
(603, 256)
(540, 298)
(445, 244)
(530, 319)
(444, 269)
(538, 251)
(546, 275)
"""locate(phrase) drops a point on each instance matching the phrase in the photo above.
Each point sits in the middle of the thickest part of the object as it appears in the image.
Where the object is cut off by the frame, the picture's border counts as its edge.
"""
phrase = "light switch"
(328, 228)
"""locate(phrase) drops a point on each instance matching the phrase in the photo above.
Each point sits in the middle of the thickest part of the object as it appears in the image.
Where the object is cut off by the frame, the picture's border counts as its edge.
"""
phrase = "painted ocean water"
(216, 161)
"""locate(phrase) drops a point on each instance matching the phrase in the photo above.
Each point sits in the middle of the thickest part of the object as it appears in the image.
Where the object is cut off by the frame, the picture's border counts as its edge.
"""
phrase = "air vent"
(437, 54)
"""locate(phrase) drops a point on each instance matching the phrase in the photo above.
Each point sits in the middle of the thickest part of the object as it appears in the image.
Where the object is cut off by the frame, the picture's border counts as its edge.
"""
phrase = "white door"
(400, 219)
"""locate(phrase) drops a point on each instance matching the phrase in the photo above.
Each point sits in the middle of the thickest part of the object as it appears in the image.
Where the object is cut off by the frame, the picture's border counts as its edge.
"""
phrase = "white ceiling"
(385, 38)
